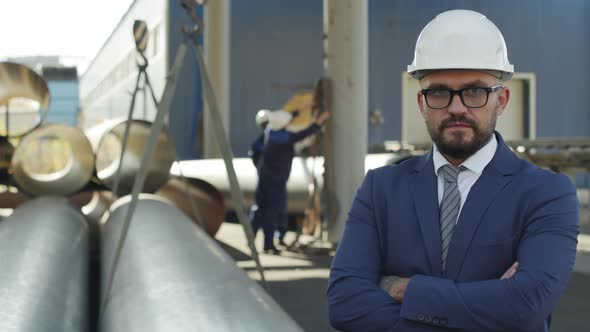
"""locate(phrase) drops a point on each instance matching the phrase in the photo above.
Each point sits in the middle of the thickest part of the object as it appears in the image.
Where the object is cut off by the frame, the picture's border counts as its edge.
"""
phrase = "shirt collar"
(476, 163)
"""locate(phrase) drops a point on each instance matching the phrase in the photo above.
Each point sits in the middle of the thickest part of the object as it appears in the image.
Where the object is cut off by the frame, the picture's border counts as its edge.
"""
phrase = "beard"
(458, 146)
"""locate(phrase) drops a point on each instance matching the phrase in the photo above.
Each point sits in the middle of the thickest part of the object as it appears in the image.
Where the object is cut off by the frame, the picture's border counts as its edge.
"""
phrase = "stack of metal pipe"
(172, 276)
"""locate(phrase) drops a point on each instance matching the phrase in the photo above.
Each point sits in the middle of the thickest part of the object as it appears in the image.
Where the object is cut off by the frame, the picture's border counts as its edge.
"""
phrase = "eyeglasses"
(474, 97)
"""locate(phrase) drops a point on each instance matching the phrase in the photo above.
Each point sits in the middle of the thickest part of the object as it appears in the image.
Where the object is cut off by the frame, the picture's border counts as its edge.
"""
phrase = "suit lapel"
(423, 187)
(482, 194)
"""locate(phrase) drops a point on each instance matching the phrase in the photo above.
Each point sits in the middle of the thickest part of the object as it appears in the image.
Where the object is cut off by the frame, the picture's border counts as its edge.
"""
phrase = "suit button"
(421, 317)
(435, 320)
(444, 322)
(427, 318)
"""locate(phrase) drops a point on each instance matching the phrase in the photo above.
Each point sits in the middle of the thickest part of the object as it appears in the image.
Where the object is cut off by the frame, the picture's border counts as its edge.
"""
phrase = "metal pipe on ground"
(11, 198)
(107, 140)
(98, 204)
(174, 277)
(298, 187)
(43, 274)
(198, 199)
(53, 160)
(24, 99)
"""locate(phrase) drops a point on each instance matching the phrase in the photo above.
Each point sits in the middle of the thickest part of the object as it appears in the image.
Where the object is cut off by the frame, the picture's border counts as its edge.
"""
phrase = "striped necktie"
(449, 207)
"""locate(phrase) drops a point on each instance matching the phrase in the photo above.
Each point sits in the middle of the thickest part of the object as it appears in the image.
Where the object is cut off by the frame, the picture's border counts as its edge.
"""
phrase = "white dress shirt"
(474, 167)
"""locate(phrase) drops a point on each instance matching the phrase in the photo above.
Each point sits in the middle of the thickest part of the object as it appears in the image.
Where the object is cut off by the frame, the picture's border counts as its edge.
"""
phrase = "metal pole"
(222, 141)
(217, 39)
(346, 61)
(189, 192)
(127, 125)
(228, 157)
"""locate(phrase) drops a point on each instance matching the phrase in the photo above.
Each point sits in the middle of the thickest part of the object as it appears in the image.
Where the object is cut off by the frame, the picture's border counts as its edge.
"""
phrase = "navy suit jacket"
(514, 212)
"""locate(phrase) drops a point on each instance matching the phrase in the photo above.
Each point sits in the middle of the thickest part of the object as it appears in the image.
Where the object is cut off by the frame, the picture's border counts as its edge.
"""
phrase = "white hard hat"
(461, 39)
(279, 119)
(262, 118)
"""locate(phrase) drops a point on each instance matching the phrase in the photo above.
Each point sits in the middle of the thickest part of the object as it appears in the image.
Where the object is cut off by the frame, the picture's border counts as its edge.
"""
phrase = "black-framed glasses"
(474, 97)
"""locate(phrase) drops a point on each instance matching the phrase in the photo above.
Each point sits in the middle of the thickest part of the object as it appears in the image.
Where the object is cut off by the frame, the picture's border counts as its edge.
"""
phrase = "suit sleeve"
(355, 301)
(546, 254)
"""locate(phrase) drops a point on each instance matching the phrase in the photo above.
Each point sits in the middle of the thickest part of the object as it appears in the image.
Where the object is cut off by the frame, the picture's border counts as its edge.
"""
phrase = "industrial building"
(269, 50)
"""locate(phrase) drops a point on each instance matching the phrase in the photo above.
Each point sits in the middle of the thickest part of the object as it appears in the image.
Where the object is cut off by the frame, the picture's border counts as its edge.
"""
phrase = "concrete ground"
(298, 281)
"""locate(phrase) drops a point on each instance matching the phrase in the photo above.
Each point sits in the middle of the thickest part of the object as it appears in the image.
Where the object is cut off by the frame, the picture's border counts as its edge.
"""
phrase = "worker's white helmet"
(461, 39)
(262, 118)
(279, 119)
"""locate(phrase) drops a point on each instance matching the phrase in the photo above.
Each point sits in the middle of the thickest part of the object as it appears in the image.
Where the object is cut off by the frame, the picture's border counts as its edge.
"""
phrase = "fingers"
(398, 289)
(323, 117)
(510, 272)
(387, 281)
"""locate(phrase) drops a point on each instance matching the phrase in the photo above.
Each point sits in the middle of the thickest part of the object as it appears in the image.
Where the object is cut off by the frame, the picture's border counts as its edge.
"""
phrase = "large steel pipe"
(198, 199)
(299, 186)
(173, 277)
(99, 203)
(53, 160)
(43, 273)
(107, 142)
(24, 95)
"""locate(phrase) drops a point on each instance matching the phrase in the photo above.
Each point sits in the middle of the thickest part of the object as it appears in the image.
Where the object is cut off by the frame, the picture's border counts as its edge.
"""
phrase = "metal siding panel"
(185, 115)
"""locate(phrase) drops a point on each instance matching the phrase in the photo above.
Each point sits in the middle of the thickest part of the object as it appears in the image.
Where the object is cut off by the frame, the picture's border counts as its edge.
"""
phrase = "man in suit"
(468, 237)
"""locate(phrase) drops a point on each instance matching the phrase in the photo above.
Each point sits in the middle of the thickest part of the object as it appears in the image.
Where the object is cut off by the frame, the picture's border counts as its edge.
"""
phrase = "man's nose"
(456, 106)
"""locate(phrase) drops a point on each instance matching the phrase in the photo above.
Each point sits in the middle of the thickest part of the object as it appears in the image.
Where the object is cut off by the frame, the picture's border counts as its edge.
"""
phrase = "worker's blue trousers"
(270, 206)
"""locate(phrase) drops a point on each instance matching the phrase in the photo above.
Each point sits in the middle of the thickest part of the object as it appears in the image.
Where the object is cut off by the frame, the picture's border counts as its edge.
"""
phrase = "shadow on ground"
(572, 311)
(305, 301)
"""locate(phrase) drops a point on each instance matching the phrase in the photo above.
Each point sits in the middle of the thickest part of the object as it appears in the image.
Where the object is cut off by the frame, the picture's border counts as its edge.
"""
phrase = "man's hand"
(322, 118)
(398, 289)
(510, 272)
(395, 286)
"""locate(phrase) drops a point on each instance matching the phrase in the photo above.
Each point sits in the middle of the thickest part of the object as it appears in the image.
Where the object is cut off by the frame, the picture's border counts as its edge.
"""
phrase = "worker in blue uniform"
(255, 153)
(274, 168)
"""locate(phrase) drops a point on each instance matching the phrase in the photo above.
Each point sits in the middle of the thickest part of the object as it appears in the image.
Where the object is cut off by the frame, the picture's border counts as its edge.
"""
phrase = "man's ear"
(503, 98)
(420, 100)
